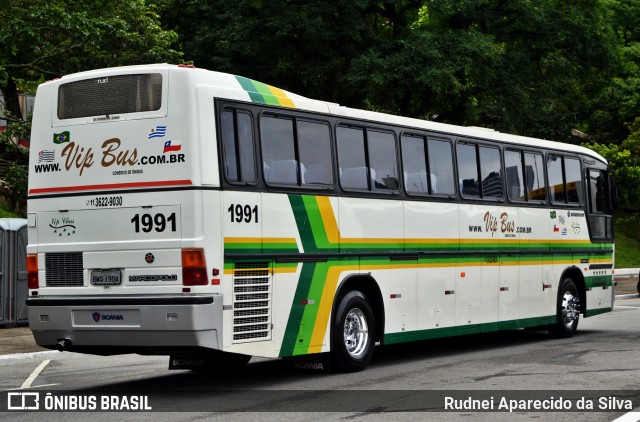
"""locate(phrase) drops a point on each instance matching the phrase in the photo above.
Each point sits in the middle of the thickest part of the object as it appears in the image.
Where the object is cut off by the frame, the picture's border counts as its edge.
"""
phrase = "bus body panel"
(127, 195)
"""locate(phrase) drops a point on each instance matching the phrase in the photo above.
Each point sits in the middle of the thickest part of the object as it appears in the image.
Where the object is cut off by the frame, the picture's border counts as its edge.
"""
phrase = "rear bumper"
(127, 324)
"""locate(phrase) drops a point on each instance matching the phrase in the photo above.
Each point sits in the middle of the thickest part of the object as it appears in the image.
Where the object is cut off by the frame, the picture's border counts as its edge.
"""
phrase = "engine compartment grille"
(64, 269)
(252, 298)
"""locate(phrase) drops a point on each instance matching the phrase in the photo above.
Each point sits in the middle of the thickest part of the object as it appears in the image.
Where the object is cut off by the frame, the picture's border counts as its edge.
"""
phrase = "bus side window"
(382, 160)
(278, 152)
(351, 158)
(574, 180)
(491, 172)
(515, 175)
(238, 146)
(314, 146)
(441, 166)
(534, 176)
(556, 180)
(468, 170)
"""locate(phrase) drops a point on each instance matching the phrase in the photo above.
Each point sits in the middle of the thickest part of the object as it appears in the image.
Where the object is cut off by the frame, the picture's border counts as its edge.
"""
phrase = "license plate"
(105, 278)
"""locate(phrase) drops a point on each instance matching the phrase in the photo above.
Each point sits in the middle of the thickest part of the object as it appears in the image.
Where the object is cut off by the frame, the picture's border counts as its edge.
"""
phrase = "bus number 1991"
(239, 213)
(157, 222)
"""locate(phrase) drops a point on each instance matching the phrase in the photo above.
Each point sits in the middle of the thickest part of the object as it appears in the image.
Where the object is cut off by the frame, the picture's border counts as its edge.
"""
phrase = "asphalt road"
(403, 382)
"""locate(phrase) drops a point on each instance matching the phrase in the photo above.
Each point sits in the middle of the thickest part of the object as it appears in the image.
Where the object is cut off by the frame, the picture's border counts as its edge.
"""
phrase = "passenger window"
(565, 180)
(414, 165)
(238, 146)
(278, 152)
(534, 175)
(514, 173)
(491, 172)
(314, 145)
(351, 157)
(468, 170)
(441, 167)
(574, 180)
(382, 160)
(556, 181)
(373, 168)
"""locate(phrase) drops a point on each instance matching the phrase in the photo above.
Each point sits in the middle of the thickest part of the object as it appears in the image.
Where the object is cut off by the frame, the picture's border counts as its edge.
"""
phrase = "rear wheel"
(568, 310)
(353, 333)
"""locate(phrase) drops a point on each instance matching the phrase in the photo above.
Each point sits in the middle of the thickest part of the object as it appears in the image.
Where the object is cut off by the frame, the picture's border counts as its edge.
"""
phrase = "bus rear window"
(110, 95)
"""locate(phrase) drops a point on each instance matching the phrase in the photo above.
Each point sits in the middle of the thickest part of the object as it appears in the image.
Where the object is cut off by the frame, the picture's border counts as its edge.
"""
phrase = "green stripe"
(247, 85)
(258, 91)
(394, 338)
(296, 330)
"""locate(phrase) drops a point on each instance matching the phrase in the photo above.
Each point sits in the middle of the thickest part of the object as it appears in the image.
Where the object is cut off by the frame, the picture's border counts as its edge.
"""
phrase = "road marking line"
(633, 416)
(625, 306)
(27, 383)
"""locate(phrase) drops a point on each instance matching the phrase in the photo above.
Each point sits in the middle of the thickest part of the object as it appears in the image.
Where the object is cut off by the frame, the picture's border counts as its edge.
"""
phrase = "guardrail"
(626, 272)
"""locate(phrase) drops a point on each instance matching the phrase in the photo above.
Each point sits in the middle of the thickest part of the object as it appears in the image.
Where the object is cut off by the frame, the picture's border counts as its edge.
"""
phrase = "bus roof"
(223, 80)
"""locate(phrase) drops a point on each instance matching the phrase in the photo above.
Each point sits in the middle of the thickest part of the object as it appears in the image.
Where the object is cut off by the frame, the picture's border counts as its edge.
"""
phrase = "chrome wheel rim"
(356, 333)
(570, 309)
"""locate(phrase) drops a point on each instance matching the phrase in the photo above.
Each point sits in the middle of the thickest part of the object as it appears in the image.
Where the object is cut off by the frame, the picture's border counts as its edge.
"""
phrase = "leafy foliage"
(44, 39)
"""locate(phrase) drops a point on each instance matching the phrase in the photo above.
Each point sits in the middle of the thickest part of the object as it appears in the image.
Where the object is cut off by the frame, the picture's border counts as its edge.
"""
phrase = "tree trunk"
(11, 101)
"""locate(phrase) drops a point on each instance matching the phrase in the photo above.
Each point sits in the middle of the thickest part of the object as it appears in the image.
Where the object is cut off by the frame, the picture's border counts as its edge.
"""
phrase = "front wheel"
(353, 333)
(568, 310)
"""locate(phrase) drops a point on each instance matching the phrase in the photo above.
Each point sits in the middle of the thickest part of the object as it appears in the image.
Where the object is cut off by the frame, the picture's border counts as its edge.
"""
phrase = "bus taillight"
(32, 271)
(194, 268)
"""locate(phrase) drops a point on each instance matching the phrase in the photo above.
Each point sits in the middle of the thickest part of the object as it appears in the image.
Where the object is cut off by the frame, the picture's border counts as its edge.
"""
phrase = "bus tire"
(568, 310)
(353, 333)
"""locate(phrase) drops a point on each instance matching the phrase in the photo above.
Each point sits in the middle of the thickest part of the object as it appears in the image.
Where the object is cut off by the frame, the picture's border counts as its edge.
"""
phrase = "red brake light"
(194, 268)
(32, 271)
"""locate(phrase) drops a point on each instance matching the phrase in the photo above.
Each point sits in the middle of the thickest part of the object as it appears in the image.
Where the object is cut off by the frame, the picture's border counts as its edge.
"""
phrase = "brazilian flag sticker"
(61, 138)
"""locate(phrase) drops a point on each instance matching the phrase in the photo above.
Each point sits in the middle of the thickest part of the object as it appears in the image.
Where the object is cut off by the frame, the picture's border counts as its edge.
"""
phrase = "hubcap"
(356, 333)
(570, 309)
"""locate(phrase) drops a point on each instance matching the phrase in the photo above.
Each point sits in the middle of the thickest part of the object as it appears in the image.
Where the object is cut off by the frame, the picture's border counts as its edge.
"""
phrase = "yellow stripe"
(259, 240)
(281, 96)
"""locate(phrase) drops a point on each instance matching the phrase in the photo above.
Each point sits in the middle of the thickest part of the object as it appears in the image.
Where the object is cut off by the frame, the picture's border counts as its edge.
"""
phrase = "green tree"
(42, 40)
(526, 67)
(45, 39)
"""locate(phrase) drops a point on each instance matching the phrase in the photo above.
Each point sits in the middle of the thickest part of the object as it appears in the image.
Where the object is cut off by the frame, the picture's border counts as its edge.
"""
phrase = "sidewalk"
(20, 339)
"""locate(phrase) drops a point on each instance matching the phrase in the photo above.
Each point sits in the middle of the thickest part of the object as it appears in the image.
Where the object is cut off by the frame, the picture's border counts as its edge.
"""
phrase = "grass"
(8, 214)
(627, 243)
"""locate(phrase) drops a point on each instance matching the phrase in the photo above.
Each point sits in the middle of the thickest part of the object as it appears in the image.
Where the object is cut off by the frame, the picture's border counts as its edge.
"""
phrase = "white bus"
(211, 218)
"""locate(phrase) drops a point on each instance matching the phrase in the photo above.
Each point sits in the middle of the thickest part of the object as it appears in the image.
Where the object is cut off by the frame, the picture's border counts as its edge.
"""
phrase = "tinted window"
(382, 160)
(514, 173)
(556, 181)
(351, 158)
(441, 167)
(238, 146)
(598, 192)
(118, 94)
(370, 168)
(491, 169)
(565, 179)
(534, 175)
(314, 145)
(574, 180)
(414, 165)
(468, 170)
(278, 153)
